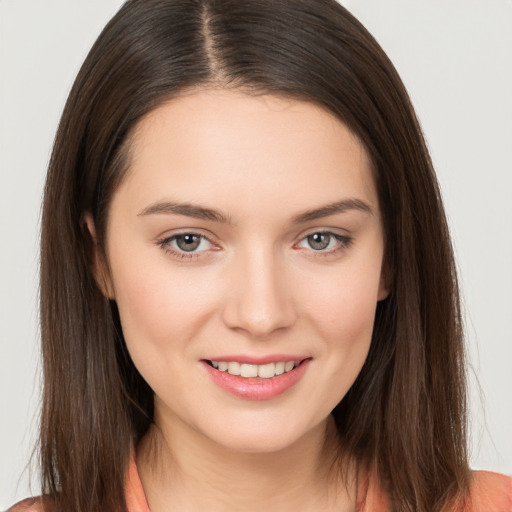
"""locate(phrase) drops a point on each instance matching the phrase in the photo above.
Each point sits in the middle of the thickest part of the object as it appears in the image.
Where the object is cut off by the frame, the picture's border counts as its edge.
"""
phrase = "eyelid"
(344, 233)
(344, 240)
(203, 233)
(164, 242)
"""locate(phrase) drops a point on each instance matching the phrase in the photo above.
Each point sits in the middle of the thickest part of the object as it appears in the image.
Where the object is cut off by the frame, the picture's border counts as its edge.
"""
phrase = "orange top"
(490, 492)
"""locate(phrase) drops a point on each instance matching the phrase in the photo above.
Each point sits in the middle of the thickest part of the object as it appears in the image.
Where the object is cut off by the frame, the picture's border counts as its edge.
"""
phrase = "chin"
(258, 444)
(261, 437)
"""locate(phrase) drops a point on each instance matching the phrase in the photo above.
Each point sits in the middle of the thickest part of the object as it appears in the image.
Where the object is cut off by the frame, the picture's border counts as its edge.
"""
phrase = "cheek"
(347, 328)
(342, 308)
(344, 319)
(159, 308)
(343, 304)
(161, 315)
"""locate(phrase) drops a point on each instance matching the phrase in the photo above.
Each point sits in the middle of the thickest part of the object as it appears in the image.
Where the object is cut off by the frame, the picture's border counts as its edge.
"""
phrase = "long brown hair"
(406, 412)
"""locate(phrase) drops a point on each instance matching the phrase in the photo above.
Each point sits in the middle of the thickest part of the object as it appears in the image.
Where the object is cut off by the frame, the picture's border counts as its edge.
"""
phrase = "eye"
(324, 241)
(185, 244)
(189, 242)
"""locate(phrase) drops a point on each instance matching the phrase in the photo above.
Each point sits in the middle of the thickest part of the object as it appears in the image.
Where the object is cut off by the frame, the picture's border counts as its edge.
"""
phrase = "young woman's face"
(246, 239)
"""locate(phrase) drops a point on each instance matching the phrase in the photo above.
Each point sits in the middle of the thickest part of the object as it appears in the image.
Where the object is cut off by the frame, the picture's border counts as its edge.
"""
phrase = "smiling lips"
(253, 381)
(263, 371)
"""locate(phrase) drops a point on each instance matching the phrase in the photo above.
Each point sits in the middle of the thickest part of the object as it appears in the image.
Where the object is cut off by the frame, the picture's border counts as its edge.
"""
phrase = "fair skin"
(220, 250)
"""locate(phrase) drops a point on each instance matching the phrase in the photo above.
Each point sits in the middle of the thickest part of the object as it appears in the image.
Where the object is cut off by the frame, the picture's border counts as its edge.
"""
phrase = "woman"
(247, 283)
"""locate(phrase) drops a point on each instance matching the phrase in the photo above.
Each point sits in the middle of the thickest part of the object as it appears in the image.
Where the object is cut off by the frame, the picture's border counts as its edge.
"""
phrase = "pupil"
(319, 241)
(188, 242)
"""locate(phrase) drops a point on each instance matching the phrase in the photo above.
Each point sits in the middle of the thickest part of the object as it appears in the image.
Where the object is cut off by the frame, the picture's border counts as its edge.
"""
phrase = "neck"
(190, 472)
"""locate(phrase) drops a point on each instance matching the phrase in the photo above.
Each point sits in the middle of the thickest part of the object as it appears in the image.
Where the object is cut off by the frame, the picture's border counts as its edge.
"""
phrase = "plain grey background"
(455, 57)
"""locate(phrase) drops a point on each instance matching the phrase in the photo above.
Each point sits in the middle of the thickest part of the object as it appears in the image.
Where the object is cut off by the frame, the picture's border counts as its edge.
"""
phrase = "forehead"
(222, 145)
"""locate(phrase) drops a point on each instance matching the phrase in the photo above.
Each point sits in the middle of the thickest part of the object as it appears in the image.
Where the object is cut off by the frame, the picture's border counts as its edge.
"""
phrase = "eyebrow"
(204, 213)
(333, 209)
(187, 209)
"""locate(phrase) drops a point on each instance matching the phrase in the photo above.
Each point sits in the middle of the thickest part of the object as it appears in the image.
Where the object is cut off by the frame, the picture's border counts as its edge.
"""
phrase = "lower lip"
(255, 388)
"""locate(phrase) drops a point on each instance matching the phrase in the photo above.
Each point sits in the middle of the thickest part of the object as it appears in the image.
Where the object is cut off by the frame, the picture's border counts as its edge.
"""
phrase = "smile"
(263, 371)
(253, 381)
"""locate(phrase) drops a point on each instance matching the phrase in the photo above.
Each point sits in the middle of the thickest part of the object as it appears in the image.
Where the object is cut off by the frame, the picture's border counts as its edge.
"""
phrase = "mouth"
(251, 381)
(260, 371)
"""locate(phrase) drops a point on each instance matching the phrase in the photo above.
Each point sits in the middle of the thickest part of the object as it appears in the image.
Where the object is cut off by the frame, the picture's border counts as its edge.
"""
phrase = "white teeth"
(263, 371)
(249, 370)
(234, 368)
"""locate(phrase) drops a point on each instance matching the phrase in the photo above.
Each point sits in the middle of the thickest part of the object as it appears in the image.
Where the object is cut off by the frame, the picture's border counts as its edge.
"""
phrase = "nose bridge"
(259, 302)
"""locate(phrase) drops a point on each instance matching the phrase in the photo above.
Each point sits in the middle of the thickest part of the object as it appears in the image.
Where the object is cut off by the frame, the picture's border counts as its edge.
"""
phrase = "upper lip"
(259, 360)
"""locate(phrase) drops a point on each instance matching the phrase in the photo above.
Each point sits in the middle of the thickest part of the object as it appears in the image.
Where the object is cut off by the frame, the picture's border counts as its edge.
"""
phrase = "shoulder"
(491, 492)
(28, 505)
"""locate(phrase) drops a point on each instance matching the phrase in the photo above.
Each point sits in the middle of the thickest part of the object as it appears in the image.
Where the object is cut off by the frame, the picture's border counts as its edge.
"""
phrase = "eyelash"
(176, 253)
(344, 242)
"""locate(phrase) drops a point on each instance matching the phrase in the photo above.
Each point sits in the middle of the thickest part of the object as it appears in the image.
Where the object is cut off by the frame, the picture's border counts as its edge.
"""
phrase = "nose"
(259, 299)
